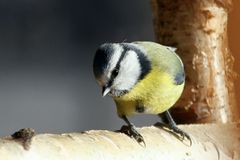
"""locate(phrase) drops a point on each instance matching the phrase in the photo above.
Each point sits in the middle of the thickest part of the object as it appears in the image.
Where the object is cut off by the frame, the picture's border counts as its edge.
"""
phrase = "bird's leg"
(172, 125)
(131, 130)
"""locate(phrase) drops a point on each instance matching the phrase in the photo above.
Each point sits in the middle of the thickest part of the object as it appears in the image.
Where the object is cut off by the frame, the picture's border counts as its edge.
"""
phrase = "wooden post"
(198, 28)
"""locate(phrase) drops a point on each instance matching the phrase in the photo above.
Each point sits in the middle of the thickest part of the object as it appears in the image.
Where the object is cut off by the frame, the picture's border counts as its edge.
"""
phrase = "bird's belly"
(159, 105)
(156, 106)
(154, 103)
(156, 93)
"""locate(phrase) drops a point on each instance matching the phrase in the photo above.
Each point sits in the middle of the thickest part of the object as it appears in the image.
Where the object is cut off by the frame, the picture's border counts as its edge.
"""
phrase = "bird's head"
(119, 66)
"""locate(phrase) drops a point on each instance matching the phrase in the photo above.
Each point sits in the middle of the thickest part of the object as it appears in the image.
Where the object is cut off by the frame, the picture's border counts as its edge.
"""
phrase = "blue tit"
(142, 78)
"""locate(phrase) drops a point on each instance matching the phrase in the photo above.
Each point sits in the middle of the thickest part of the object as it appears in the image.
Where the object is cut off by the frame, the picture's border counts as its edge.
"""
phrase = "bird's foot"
(182, 133)
(132, 132)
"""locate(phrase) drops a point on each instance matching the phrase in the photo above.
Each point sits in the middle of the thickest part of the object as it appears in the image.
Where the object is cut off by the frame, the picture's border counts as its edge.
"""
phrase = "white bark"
(210, 142)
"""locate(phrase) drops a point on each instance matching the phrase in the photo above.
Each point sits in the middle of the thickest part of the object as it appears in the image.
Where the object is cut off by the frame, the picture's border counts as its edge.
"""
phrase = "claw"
(172, 126)
(137, 136)
(176, 131)
(132, 132)
(183, 134)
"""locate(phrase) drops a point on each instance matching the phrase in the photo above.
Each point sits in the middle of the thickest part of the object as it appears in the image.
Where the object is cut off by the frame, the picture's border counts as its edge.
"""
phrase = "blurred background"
(46, 53)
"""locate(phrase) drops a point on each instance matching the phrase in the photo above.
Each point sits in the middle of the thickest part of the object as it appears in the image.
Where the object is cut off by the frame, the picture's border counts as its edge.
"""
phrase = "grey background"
(46, 52)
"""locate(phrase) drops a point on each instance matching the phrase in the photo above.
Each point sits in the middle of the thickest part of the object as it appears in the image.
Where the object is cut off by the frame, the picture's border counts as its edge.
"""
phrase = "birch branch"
(210, 142)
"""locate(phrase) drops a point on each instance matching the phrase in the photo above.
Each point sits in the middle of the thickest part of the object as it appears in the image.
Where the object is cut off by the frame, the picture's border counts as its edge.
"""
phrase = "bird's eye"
(115, 72)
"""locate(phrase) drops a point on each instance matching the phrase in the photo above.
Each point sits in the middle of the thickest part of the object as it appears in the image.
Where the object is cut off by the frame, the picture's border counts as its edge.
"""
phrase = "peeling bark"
(199, 30)
(24, 137)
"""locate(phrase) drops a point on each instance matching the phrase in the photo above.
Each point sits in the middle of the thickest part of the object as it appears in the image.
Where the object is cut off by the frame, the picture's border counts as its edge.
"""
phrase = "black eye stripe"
(115, 72)
(145, 64)
(116, 69)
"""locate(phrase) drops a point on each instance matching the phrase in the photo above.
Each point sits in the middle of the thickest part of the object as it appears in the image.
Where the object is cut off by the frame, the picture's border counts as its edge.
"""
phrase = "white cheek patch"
(129, 72)
(114, 59)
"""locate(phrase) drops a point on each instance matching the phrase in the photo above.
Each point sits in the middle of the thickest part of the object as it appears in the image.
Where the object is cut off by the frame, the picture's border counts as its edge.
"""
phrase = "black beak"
(105, 90)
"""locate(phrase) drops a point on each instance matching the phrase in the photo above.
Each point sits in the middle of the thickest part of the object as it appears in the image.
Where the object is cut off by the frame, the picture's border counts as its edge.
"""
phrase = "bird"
(142, 77)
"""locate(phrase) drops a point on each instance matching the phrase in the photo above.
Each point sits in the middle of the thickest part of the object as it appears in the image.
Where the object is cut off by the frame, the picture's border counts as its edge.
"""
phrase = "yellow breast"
(155, 93)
